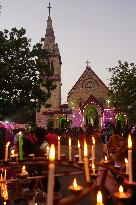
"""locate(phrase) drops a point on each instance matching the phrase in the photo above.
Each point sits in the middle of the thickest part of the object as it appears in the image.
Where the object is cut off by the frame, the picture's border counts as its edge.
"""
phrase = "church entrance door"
(92, 118)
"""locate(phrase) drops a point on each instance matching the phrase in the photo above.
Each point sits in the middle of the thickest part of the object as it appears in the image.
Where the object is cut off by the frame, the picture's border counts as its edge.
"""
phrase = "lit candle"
(5, 174)
(20, 145)
(23, 169)
(47, 151)
(79, 150)
(4, 191)
(86, 162)
(126, 163)
(121, 195)
(70, 150)
(93, 168)
(121, 189)
(93, 150)
(24, 172)
(130, 158)
(6, 151)
(12, 153)
(105, 158)
(75, 188)
(99, 198)
(50, 192)
(58, 147)
(1, 177)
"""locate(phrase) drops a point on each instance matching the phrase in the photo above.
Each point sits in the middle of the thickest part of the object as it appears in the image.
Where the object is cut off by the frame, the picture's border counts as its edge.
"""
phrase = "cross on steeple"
(87, 63)
(49, 7)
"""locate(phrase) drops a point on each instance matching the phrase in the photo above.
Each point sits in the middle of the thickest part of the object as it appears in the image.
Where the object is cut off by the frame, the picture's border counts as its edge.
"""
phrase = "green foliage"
(23, 72)
(123, 89)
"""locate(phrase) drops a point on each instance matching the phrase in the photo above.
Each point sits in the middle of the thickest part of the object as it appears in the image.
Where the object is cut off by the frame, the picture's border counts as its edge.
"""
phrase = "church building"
(87, 99)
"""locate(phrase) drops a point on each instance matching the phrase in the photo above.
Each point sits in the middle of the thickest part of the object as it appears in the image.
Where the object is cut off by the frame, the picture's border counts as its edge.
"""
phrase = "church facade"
(86, 100)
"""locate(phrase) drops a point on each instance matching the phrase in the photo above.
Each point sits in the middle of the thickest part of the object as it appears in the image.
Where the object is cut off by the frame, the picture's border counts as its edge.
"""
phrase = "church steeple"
(49, 41)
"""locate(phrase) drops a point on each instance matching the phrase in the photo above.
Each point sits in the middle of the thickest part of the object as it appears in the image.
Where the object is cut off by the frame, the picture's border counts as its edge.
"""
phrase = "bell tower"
(54, 63)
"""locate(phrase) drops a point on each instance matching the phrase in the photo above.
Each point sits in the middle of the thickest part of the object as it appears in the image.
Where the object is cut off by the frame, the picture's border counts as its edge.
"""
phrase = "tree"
(24, 74)
(123, 89)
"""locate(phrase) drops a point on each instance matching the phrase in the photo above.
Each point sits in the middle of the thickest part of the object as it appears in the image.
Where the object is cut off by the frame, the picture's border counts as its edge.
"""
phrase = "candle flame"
(75, 184)
(5, 202)
(85, 149)
(93, 140)
(23, 168)
(93, 166)
(7, 145)
(58, 138)
(47, 148)
(52, 153)
(121, 189)
(78, 144)
(20, 133)
(129, 142)
(105, 158)
(69, 141)
(99, 197)
(13, 152)
(126, 161)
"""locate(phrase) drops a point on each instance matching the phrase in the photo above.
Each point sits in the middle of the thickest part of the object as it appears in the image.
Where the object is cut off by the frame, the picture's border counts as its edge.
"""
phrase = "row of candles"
(128, 162)
(85, 159)
(3, 186)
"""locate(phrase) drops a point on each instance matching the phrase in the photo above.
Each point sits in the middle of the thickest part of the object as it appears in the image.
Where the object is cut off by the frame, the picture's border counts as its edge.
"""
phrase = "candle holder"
(94, 174)
(122, 198)
(74, 190)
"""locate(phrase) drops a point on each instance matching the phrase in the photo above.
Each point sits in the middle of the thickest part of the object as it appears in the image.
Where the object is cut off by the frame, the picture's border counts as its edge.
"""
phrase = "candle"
(50, 192)
(79, 150)
(6, 151)
(24, 172)
(1, 177)
(5, 174)
(93, 150)
(99, 198)
(121, 195)
(130, 158)
(70, 150)
(12, 153)
(86, 162)
(121, 189)
(20, 145)
(105, 158)
(126, 162)
(4, 191)
(58, 147)
(75, 188)
(93, 168)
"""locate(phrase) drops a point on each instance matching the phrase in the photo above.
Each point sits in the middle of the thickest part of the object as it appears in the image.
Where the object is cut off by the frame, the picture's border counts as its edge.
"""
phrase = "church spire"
(49, 41)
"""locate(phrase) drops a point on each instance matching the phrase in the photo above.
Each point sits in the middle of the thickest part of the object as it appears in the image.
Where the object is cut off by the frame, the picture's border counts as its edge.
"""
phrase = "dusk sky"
(101, 31)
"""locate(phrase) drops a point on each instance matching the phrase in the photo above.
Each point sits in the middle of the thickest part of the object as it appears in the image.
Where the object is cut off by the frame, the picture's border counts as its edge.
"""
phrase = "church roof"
(82, 76)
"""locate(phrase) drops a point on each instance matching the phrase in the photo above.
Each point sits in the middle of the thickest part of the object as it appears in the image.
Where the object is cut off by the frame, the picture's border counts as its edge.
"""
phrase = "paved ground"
(66, 181)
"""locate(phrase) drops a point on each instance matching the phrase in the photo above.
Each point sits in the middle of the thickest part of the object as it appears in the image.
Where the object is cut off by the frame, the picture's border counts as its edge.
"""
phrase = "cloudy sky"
(101, 31)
